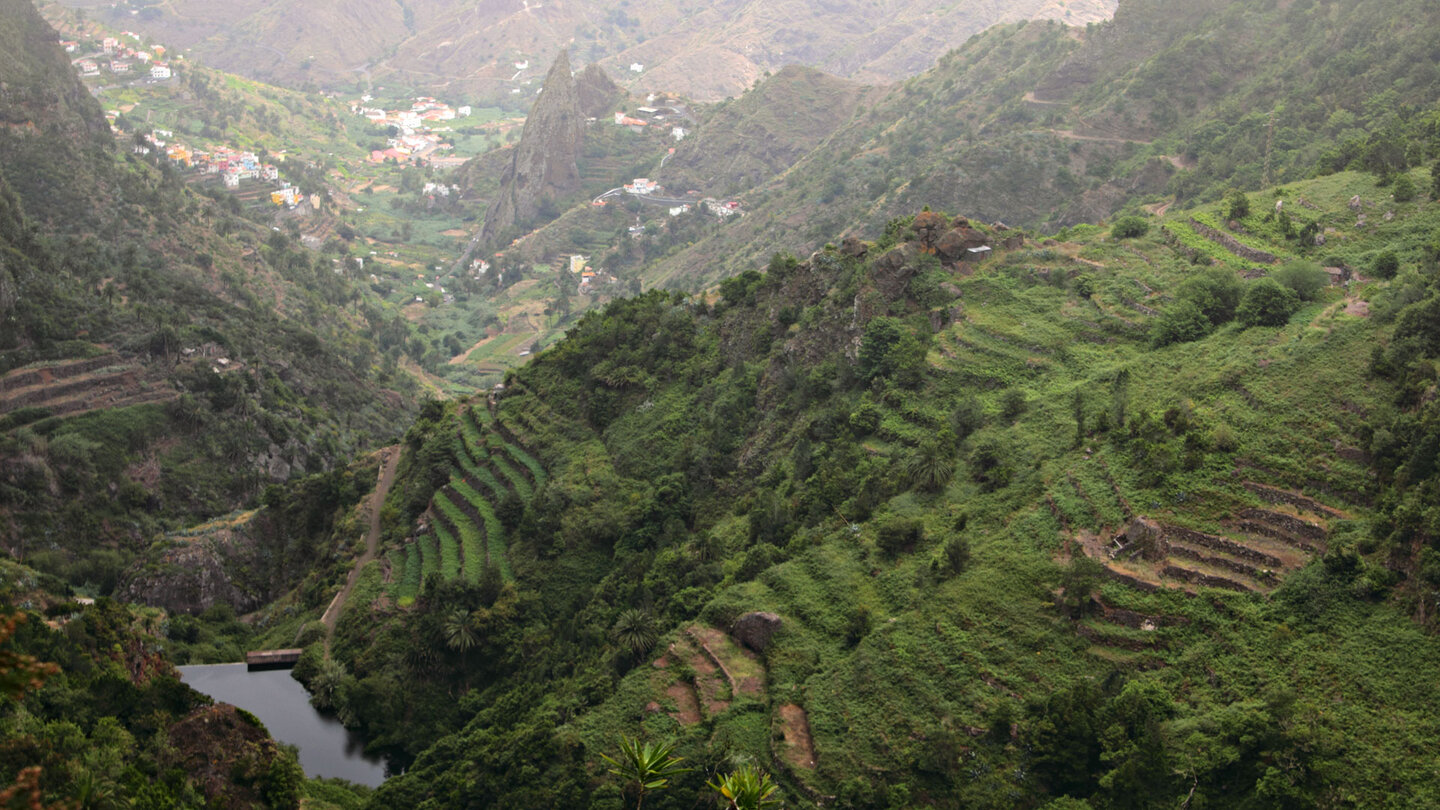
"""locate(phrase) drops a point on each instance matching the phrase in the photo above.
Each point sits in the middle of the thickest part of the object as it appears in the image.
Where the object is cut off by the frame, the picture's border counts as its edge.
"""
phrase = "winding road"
(389, 460)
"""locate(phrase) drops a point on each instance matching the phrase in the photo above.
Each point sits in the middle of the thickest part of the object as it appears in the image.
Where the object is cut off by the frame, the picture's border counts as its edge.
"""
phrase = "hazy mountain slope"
(49, 124)
(749, 141)
(706, 51)
(1042, 126)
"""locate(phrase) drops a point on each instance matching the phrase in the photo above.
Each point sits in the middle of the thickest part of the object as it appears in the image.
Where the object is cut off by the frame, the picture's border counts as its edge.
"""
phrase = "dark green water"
(283, 705)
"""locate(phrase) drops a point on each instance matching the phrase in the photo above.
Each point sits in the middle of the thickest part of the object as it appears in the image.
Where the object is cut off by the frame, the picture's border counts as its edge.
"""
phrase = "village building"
(642, 186)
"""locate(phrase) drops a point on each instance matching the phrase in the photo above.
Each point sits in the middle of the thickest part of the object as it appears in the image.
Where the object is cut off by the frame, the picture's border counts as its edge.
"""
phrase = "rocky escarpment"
(545, 163)
(204, 567)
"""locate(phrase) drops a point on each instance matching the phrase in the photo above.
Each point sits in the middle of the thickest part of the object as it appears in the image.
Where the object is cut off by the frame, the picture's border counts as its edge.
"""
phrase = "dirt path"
(389, 460)
(1070, 134)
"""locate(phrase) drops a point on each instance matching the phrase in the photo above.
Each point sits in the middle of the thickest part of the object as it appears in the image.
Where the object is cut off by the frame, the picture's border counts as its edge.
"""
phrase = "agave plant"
(747, 788)
(646, 766)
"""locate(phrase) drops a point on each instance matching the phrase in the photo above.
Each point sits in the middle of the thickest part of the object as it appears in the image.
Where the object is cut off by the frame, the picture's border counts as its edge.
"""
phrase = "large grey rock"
(755, 629)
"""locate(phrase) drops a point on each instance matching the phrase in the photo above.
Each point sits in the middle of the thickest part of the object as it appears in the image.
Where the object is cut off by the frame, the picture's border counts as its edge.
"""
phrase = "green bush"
(899, 535)
(1405, 190)
(1237, 205)
(1131, 227)
(1180, 323)
(1386, 265)
(1305, 278)
(1267, 303)
(1216, 291)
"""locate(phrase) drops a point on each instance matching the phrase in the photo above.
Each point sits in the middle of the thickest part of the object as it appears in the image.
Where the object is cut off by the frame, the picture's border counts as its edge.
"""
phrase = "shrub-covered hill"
(1018, 536)
(1041, 125)
(161, 358)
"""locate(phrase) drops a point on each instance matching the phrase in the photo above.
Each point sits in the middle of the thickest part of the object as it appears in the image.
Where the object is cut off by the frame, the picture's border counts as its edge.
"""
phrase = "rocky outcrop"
(755, 629)
(598, 94)
(544, 167)
(893, 270)
(207, 567)
(960, 239)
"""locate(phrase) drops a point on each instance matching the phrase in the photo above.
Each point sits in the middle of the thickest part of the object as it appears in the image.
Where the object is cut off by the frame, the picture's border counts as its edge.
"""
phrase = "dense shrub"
(1181, 323)
(1267, 303)
(1216, 291)
(899, 535)
(1305, 278)
(1131, 227)
(1386, 265)
(1405, 190)
(1237, 205)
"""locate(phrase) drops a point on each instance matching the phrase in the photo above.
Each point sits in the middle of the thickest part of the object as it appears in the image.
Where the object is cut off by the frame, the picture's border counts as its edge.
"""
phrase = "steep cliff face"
(54, 142)
(544, 167)
(598, 92)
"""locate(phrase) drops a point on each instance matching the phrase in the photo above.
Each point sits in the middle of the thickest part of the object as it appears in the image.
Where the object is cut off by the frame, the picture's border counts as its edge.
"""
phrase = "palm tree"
(931, 467)
(634, 631)
(459, 632)
(648, 766)
(747, 788)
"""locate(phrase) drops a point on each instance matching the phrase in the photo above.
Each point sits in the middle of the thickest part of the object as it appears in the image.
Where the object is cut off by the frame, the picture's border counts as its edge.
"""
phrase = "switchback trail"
(389, 460)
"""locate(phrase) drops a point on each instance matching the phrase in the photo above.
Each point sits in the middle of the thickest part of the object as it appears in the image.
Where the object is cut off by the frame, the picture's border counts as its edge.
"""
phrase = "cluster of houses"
(415, 139)
(121, 59)
(231, 165)
(409, 148)
(651, 117)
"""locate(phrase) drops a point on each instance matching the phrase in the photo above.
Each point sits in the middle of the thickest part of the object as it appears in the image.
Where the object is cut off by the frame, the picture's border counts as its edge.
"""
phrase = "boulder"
(955, 242)
(1146, 536)
(755, 629)
(852, 247)
(928, 227)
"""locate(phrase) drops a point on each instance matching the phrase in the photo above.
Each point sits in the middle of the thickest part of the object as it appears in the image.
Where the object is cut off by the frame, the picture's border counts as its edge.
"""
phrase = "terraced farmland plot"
(524, 459)
(472, 550)
(429, 557)
(449, 551)
(494, 534)
(505, 472)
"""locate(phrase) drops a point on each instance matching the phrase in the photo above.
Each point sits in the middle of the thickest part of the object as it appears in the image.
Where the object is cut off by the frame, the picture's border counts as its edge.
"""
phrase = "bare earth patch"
(799, 748)
(687, 706)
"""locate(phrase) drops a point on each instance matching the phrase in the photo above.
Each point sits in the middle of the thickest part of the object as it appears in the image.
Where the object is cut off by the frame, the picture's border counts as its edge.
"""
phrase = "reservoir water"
(327, 748)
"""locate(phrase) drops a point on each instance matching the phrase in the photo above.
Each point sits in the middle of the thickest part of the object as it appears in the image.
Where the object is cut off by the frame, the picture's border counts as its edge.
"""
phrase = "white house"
(679, 133)
(636, 67)
(160, 72)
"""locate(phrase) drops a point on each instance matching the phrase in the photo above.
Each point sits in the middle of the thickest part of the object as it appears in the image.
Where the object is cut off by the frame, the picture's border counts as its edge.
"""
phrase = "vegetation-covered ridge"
(162, 358)
(1017, 531)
